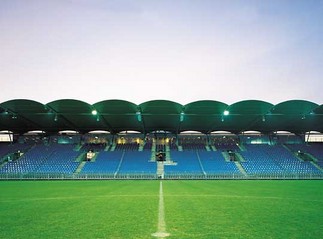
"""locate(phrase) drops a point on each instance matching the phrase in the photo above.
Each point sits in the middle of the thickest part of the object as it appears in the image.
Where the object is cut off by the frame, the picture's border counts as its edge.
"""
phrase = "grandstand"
(201, 140)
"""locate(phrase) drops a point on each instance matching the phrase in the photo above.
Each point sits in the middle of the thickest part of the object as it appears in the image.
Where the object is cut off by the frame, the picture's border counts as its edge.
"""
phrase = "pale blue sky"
(182, 51)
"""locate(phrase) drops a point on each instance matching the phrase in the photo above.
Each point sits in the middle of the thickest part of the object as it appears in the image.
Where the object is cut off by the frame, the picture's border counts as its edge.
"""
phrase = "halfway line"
(161, 228)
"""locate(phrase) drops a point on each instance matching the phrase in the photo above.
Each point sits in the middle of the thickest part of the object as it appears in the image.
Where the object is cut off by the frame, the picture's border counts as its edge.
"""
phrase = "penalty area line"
(161, 228)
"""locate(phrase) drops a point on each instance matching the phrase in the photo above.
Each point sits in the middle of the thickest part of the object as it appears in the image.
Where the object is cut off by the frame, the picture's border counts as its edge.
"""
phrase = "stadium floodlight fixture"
(226, 112)
(94, 112)
(263, 118)
(182, 117)
(138, 114)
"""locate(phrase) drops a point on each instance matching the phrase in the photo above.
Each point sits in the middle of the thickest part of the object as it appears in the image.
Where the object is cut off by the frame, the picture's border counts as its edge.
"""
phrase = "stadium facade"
(161, 139)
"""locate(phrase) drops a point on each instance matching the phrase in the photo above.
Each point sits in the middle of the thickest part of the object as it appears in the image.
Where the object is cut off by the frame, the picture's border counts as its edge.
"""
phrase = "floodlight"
(181, 117)
(226, 112)
(94, 112)
(138, 114)
(263, 118)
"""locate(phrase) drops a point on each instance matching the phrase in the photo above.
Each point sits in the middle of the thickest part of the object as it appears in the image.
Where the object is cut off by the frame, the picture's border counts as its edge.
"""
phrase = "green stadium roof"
(297, 116)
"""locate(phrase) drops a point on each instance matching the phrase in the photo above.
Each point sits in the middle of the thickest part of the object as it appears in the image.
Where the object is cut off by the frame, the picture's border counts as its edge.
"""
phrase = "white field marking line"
(75, 197)
(154, 195)
(240, 196)
(161, 228)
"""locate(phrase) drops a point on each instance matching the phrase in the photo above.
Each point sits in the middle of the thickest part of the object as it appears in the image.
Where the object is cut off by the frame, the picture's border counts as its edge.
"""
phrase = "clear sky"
(142, 50)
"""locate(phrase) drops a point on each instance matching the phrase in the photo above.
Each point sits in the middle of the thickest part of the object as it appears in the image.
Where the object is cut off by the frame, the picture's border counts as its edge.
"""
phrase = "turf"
(193, 209)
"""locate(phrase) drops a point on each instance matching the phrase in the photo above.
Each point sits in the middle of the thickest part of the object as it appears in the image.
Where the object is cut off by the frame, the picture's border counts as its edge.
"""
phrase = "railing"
(153, 176)
(58, 176)
(243, 177)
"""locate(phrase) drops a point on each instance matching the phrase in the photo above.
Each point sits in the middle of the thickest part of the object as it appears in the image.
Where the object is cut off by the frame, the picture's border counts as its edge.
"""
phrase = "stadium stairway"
(119, 166)
(213, 148)
(294, 153)
(107, 147)
(153, 156)
(168, 159)
(81, 157)
(167, 153)
(241, 147)
(113, 147)
(153, 152)
(95, 156)
(167, 156)
(160, 170)
(80, 167)
(241, 169)
(317, 166)
(239, 157)
(78, 147)
(304, 157)
(226, 156)
(141, 147)
(199, 159)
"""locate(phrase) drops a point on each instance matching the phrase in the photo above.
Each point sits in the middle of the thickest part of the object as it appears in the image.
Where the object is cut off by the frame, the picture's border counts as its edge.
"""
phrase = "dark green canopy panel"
(119, 115)
(297, 116)
(203, 116)
(160, 115)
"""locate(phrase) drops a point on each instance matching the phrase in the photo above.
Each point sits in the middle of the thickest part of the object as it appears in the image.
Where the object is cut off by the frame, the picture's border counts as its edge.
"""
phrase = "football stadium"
(137, 119)
(116, 139)
(201, 170)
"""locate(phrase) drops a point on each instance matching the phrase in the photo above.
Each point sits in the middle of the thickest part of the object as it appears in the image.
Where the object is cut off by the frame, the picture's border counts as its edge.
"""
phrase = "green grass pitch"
(192, 209)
